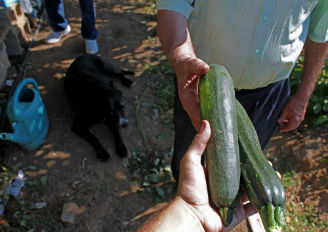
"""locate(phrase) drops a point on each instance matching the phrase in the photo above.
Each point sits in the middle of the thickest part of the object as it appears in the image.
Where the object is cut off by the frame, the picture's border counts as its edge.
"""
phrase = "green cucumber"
(216, 101)
(262, 184)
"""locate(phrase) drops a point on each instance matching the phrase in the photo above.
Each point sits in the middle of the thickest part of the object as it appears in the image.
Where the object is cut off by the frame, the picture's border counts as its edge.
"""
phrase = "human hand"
(192, 186)
(188, 70)
(293, 113)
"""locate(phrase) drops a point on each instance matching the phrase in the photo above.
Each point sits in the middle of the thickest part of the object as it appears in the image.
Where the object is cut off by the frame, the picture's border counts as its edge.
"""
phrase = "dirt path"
(64, 169)
(69, 165)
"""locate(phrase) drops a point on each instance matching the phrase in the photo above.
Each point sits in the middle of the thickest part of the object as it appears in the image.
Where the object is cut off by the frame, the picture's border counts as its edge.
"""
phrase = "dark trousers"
(263, 105)
(58, 21)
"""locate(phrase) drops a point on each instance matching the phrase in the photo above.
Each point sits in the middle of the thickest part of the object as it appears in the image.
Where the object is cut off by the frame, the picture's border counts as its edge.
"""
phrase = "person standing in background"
(60, 26)
(259, 43)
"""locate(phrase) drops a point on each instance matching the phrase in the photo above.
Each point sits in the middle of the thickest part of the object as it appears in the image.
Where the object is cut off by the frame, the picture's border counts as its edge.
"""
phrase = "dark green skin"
(216, 100)
(263, 186)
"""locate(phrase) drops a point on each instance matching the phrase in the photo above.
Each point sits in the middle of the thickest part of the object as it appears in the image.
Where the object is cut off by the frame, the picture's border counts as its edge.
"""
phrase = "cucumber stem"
(269, 215)
(226, 215)
(270, 210)
(279, 215)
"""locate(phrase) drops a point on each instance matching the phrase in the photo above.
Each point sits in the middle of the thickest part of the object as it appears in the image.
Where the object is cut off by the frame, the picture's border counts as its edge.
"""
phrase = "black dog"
(90, 91)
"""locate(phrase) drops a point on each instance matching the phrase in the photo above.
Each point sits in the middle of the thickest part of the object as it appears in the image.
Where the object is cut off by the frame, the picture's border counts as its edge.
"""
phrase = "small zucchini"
(262, 184)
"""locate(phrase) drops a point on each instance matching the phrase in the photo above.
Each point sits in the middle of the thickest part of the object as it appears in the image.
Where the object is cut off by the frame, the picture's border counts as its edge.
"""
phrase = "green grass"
(163, 90)
(162, 67)
(298, 216)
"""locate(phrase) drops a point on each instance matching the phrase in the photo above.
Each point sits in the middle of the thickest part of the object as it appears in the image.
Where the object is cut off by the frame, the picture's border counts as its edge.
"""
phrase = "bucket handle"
(20, 86)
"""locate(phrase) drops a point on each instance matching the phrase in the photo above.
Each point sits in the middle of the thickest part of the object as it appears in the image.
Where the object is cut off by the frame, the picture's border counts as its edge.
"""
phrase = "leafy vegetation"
(151, 7)
(318, 105)
(151, 171)
(20, 214)
(164, 90)
(163, 67)
(299, 217)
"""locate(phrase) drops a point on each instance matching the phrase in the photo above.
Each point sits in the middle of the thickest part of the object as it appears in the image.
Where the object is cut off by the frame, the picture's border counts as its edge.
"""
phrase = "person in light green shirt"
(258, 41)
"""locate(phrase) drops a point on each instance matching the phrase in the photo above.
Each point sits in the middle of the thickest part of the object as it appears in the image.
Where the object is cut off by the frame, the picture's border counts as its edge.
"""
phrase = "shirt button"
(265, 18)
(257, 51)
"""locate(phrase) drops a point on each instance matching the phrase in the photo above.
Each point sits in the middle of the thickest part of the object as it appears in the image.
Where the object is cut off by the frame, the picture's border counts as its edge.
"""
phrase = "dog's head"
(116, 107)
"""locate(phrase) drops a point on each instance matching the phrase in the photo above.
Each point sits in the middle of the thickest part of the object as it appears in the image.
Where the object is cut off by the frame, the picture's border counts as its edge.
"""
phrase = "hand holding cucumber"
(234, 153)
(191, 210)
(188, 70)
(193, 187)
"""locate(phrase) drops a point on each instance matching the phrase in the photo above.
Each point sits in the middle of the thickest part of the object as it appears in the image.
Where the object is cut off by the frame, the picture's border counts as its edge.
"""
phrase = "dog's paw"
(122, 151)
(103, 155)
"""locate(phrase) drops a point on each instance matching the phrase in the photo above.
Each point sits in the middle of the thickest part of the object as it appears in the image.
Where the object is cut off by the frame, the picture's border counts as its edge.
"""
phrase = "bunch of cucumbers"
(234, 158)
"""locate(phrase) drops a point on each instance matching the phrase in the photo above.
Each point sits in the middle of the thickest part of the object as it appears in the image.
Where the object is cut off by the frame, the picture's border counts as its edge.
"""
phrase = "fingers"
(199, 67)
(292, 115)
(195, 120)
(284, 121)
(278, 173)
(199, 142)
(189, 70)
(289, 125)
(189, 100)
(193, 69)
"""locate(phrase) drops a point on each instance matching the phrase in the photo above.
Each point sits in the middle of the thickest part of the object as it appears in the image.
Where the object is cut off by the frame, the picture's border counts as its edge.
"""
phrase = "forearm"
(177, 46)
(173, 33)
(315, 55)
(177, 216)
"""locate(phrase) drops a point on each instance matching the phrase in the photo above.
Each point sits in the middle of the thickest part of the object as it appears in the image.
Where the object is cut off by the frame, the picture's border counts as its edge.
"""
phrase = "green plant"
(162, 67)
(216, 101)
(165, 95)
(290, 179)
(164, 90)
(151, 171)
(151, 7)
(318, 105)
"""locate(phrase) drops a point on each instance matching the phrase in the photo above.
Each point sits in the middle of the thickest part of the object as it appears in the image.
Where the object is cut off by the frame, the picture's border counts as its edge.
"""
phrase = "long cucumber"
(216, 100)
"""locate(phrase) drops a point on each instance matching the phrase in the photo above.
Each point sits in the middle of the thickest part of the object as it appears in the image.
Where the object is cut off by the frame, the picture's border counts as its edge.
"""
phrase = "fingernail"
(202, 126)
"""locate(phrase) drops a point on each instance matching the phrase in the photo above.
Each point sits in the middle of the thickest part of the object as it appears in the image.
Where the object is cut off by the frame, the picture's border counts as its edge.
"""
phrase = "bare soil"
(104, 193)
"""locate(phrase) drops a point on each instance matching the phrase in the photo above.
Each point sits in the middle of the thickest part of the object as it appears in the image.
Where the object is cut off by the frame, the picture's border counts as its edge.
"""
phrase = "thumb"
(200, 141)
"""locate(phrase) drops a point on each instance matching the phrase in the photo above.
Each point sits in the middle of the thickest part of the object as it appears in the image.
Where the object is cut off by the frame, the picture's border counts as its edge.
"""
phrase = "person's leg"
(88, 28)
(56, 15)
(57, 20)
(88, 14)
(264, 106)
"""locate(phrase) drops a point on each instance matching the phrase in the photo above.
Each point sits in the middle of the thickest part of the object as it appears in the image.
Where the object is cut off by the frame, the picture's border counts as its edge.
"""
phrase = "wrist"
(303, 93)
(177, 216)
